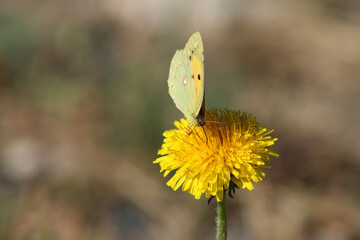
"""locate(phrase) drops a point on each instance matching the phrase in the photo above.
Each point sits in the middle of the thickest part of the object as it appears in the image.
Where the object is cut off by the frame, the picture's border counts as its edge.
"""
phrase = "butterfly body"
(186, 80)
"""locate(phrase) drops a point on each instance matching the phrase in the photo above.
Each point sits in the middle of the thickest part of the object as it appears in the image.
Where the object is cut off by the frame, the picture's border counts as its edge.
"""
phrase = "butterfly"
(186, 80)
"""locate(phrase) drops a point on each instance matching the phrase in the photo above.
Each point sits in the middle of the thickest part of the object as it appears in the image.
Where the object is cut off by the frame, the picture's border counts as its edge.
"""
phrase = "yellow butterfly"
(186, 80)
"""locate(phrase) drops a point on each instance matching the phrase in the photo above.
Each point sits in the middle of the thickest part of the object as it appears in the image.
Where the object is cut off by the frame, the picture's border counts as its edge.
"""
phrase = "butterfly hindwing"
(181, 86)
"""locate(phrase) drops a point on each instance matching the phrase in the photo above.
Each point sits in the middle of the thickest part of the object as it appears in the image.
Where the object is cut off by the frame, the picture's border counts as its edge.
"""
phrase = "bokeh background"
(84, 103)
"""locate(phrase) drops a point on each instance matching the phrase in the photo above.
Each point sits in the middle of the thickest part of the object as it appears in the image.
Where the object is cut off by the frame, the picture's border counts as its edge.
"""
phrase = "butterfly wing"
(182, 88)
(194, 50)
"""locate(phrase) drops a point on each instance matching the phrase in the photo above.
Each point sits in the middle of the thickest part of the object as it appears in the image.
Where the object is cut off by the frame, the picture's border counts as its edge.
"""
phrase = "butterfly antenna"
(215, 122)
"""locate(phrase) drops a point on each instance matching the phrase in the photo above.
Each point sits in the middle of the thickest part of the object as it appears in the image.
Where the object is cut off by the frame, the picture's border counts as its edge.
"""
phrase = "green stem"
(221, 219)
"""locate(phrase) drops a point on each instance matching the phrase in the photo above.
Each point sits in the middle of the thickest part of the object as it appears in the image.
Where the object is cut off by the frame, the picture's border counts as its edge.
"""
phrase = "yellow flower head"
(207, 160)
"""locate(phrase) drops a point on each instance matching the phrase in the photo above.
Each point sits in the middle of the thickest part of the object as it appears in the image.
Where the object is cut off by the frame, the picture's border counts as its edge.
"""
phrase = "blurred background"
(84, 102)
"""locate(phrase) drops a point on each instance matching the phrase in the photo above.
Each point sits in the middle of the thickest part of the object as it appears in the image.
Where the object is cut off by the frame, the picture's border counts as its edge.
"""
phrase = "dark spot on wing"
(190, 58)
(192, 51)
(199, 76)
(192, 76)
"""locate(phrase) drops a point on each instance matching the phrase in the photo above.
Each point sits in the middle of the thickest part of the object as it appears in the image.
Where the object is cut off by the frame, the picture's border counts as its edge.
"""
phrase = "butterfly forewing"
(194, 50)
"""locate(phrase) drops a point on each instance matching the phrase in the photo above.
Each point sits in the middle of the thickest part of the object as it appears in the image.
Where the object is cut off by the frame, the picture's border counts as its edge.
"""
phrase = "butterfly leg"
(191, 126)
(203, 128)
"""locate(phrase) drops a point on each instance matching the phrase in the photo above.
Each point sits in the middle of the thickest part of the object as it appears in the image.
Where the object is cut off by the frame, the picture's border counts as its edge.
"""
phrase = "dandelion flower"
(232, 151)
